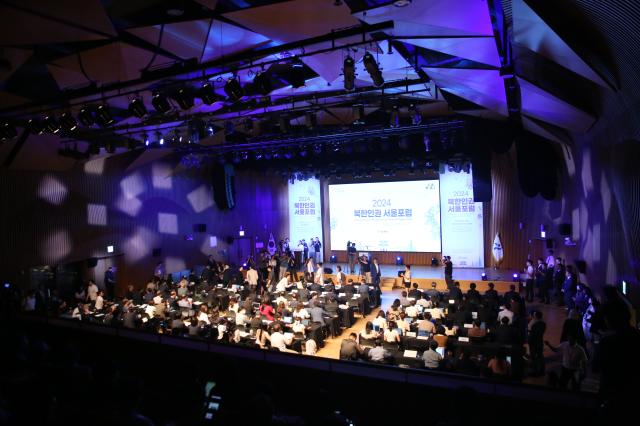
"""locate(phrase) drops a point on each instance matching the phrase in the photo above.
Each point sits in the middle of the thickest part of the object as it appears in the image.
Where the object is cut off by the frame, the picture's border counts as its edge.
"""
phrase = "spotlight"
(296, 77)
(35, 126)
(484, 276)
(516, 278)
(416, 118)
(333, 259)
(184, 99)
(137, 107)
(233, 89)
(7, 131)
(145, 139)
(310, 119)
(109, 249)
(67, 122)
(51, 125)
(86, 117)
(358, 114)
(160, 103)
(349, 71)
(103, 116)
(399, 261)
(373, 69)
(207, 93)
(160, 138)
(210, 129)
(394, 119)
(434, 261)
(262, 83)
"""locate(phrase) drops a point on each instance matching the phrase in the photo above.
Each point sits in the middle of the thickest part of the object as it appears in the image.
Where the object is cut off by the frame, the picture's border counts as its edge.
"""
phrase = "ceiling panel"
(478, 49)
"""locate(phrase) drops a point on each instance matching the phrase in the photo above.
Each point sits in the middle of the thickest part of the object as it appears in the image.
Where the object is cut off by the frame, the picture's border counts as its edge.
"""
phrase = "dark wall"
(57, 218)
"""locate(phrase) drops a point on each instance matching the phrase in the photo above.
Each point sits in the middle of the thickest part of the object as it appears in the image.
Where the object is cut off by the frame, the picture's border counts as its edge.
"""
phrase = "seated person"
(430, 357)
(440, 336)
(378, 353)
(404, 299)
(436, 313)
(350, 349)
(411, 310)
(394, 310)
(415, 292)
(301, 312)
(380, 321)
(476, 331)
(499, 365)
(450, 329)
(426, 326)
(368, 332)
(297, 326)
(391, 334)
(425, 301)
(279, 340)
(402, 324)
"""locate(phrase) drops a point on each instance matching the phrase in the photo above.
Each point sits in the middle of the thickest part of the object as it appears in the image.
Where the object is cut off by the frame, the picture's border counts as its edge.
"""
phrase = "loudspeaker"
(92, 262)
(156, 252)
(224, 187)
(199, 227)
(549, 244)
(481, 170)
(581, 266)
(564, 229)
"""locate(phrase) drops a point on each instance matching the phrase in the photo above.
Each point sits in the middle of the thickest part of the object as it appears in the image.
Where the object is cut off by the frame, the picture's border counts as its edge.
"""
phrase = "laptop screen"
(288, 320)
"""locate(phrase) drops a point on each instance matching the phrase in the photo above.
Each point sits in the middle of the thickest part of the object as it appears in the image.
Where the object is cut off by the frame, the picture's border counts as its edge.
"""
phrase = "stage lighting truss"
(67, 122)
(85, 116)
(7, 131)
(160, 103)
(103, 116)
(137, 107)
(233, 89)
(371, 65)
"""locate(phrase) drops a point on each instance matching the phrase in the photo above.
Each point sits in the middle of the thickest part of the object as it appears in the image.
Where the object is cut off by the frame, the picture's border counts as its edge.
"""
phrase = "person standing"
(365, 268)
(529, 272)
(351, 253)
(406, 277)
(558, 280)
(305, 251)
(317, 245)
(540, 274)
(375, 281)
(574, 362)
(537, 328)
(341, 278)
(448, 271)
(110, 282)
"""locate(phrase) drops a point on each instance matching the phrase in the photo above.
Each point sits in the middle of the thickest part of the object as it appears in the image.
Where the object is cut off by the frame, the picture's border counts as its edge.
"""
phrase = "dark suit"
(536, 346)
(350, 350)
(375, 282)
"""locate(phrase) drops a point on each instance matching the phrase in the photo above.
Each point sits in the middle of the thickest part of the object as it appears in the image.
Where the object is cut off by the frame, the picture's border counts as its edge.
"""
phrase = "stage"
(425, 275)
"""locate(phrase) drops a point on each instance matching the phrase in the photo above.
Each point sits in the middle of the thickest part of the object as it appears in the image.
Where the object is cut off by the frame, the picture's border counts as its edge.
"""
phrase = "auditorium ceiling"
(516, 61)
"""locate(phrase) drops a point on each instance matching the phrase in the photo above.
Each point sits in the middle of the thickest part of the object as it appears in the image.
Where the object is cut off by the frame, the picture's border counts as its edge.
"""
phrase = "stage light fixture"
(85, 116)
(262, 83)
(160, 138)
(7, 131)
(160, 103)
(137, 107)
(103, 116)
(434, 261)
(233, 89)
(145, 139)
(358, 114)
(373, 69)
(51, 124)
(310, 119)
(394, 118)
(484, 277)
(317, 149)
(416, 117)
(333, 259)
(516, 278)
(67, 122)
(349, 71)
(399, 261)
(207, 93)
(110, 249)
(296, 76)
(184, 99)
(210, 129)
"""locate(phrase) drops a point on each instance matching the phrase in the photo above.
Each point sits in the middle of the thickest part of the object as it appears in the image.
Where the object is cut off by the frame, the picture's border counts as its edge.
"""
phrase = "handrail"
(403, 375)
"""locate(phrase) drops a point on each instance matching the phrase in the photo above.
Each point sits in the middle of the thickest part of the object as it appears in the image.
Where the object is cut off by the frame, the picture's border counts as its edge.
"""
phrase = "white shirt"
(436, 313)
(279, 341)
(281, 299)
(391, 336)
(551, 262)
(573, 357)
(252, 277)
(310, 347)
(282, 284)
(340, 277)
(298, 327)
(99, 302)
(184, 303)
(505, 313)
(530, 272)
(424, 303)
(202, 316)
(407, 276)
(302, 314)
(151, 311)
(241, 318)
(92, 290)
(157, 300)
(426, 325)
(411, 311)
(319, 276)
(380, 322)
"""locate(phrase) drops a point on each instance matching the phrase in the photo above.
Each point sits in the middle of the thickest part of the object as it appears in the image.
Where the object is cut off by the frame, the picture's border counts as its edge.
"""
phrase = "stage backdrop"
(305, 211)
(462, 220)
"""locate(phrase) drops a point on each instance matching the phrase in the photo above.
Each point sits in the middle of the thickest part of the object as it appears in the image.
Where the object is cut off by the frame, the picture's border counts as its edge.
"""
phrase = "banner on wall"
(462, 220)
(305, 211)
(498, 250)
